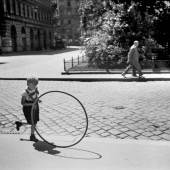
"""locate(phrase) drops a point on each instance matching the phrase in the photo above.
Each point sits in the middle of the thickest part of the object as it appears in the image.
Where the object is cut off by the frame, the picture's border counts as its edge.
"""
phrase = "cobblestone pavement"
(125, 110)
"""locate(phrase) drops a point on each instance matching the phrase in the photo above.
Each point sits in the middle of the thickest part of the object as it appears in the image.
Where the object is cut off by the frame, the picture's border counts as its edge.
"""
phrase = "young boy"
(27, 100)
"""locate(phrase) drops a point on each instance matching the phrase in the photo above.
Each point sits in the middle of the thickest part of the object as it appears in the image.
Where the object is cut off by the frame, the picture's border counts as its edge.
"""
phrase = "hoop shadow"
(69, 153)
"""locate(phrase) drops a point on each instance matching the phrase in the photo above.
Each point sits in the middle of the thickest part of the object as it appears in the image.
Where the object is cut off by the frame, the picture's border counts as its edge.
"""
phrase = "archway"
(14, 38)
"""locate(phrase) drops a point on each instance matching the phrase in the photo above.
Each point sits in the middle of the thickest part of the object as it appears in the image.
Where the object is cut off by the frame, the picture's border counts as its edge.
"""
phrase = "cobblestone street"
(124, 110)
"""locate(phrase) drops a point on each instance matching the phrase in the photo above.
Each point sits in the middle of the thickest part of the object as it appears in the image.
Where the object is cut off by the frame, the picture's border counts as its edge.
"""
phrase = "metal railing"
(73, 62)
(81, 63)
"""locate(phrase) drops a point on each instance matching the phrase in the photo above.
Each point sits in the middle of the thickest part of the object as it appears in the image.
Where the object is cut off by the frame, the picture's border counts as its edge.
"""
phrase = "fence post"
(72, 62)
(64, 65)
(78, 60)
(82, 58)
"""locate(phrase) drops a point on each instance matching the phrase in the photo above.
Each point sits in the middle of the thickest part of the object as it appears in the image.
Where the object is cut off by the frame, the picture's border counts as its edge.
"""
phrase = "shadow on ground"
(69, 153)
(44, 52)
(3, 62)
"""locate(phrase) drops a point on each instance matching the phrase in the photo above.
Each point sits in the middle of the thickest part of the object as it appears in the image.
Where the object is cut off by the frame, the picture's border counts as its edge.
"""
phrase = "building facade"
(26, 25)
(68, 25)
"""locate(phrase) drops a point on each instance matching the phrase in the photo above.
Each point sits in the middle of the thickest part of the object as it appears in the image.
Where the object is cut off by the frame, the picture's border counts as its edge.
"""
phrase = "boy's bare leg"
(32, 137)
(32, 130)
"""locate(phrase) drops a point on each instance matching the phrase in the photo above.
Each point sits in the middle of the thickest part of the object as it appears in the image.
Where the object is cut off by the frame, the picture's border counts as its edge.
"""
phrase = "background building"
(26, 25)
(68, 25)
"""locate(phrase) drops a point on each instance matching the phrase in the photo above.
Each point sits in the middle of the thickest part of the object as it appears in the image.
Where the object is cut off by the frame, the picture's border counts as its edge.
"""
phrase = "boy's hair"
(33, 80)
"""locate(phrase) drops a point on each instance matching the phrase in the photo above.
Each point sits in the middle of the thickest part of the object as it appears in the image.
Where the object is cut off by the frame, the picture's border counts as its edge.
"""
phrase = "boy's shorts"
(27, 114)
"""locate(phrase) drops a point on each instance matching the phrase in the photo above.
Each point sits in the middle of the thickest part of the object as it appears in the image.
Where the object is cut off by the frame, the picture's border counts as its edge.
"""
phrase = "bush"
(101, 53)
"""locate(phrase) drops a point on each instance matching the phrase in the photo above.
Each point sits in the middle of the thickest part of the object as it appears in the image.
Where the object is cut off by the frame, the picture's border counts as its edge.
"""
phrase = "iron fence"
(80, 63)
(73, 62)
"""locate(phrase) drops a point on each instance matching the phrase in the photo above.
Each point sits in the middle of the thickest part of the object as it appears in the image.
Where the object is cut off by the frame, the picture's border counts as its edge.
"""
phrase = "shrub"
(101, 53)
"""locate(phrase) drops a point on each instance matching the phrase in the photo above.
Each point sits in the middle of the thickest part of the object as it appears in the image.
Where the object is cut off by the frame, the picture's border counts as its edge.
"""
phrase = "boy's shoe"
(33, 138)
(18, 125)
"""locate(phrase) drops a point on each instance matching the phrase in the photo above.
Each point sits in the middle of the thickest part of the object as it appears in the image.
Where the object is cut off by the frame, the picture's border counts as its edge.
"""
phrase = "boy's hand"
(39, 101)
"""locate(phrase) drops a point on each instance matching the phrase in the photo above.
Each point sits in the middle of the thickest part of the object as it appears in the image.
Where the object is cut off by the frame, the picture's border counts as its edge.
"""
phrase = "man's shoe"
(18, 125)
(33, 138)
(123, 75)
(141, 77)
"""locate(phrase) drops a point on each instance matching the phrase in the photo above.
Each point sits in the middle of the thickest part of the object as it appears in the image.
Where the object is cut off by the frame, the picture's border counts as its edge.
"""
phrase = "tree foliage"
(121, 22)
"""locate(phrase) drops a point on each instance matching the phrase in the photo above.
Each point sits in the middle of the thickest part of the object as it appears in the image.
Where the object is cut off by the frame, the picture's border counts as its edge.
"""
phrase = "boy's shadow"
(45, 147)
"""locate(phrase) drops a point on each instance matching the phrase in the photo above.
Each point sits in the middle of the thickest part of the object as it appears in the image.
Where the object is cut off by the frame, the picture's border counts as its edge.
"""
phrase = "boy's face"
(32, 86)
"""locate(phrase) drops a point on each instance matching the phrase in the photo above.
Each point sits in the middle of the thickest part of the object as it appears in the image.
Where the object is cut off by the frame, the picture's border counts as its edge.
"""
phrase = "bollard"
(72, 63)
(78, 60)
(82, 58)
(64, 65)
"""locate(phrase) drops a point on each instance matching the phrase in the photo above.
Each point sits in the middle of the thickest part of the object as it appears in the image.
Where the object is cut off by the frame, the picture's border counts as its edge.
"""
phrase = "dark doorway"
(45, 40)
(24, 43)
(50, 39)
(14, 38)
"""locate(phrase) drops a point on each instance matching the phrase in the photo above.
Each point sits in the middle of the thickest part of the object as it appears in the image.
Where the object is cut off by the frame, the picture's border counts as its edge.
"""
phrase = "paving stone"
(157, 132)
(132, 133)
(165, 136)
(155, 138)
(114, 132)
(122, 135)
(105, 134)
(147, 134)
(114, 112)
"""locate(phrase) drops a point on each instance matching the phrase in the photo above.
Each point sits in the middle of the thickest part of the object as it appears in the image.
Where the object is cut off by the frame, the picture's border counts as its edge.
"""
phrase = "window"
(69, 22)
(28, 12)
(39, 16)
(36, 16)
(8, 6)
(32, 13)
(68, 3)
(14, 8)
(19, 8)
(23, 9)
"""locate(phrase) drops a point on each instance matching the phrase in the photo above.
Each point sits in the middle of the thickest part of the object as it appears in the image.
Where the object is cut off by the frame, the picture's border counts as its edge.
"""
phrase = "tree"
(101, 24)
(161, 25)
(124, 21)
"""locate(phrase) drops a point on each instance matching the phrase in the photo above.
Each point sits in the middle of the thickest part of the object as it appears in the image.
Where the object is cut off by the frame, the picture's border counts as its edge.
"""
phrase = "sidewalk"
(115, 75)
(90, 154)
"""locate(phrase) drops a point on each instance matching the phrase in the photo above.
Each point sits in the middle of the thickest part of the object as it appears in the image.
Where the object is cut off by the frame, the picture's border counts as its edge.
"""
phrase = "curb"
(87, 79)
(109, 72)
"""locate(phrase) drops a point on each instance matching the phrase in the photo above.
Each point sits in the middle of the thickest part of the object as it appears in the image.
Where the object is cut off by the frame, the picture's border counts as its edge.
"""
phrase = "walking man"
(133, 60)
